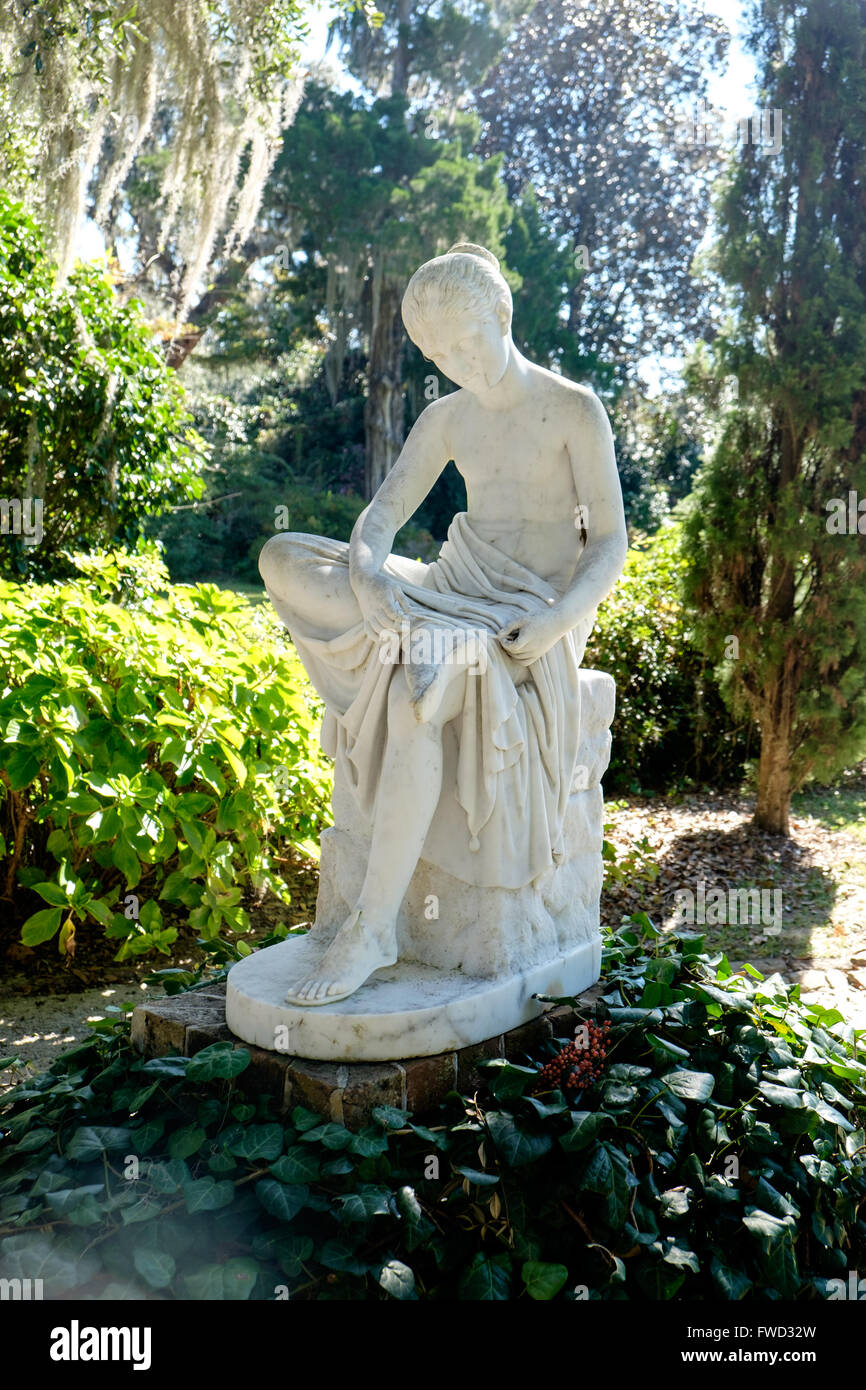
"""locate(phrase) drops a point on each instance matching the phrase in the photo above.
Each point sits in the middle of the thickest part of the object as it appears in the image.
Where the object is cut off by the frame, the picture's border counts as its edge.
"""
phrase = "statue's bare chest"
(514, 463)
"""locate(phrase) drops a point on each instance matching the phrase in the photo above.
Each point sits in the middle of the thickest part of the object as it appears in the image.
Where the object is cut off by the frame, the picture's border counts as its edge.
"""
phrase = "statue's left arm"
(600, 512)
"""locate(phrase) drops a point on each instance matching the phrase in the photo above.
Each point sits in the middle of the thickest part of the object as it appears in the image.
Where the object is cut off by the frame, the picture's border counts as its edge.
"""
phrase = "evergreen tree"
(778, 526)
(376, 196)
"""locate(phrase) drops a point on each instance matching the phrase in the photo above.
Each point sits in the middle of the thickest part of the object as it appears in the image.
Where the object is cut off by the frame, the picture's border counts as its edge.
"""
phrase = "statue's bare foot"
(361, 946)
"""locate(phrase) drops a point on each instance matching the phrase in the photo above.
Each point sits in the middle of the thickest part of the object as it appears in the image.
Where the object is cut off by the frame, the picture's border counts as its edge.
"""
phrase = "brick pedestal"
(347, 1092)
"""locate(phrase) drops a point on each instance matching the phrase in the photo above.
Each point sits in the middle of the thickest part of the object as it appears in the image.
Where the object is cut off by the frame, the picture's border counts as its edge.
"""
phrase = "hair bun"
(468, 248)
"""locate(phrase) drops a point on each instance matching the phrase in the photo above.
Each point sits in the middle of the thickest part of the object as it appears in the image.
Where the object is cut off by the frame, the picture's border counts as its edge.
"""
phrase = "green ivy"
(722, 1156)
(154, 741)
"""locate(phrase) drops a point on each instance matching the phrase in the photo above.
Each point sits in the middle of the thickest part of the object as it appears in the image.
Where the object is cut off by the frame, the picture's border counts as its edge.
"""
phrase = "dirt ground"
(668, 845)
(663, 845)
(47, 1000)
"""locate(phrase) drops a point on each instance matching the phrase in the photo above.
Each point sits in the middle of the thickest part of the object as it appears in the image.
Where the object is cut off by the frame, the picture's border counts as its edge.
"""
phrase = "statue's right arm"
(422, 459)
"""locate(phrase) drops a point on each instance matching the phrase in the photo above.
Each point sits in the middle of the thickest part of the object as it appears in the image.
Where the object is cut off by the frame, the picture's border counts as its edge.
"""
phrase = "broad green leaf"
(397, 1279)
(41, 926)
(258, 1142)
(543, 1281)
(205, 1194)
(91, 1141)
(221, 1061)
(297, 1165)
(156, 1267)
(488, 1279)
(516, 1145)
(587, 1124)
(186, 1141)
(690, 1085)
(282, 1200)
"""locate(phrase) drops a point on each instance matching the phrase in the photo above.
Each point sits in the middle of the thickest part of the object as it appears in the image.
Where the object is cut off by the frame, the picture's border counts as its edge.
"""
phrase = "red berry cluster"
(580, 1063)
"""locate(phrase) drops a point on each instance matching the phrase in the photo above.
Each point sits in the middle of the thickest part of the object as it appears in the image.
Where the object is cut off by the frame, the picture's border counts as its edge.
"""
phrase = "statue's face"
(471, 352)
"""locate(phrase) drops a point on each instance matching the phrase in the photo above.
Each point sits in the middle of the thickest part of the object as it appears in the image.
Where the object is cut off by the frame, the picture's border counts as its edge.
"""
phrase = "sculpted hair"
(466, 279)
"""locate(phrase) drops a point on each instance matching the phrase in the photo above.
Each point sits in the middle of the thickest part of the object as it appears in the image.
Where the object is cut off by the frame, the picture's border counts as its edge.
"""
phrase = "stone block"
(368, 1084)
(429, 1079)
(468, 1058)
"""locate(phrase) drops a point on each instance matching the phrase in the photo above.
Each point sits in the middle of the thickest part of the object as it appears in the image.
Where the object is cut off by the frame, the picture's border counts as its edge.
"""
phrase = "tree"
(376, 197)
(433, 55)
(584, 104)
(94, 433)
(778, 540)
(434, 52)
(88, 86)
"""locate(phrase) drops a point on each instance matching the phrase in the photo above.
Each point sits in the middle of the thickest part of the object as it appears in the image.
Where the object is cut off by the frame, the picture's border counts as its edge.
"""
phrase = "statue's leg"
(409, 787)
(309, 593)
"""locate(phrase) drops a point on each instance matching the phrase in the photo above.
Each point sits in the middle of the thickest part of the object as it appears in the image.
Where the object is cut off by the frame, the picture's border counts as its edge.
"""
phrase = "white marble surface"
(405, 1010)
(461, 771)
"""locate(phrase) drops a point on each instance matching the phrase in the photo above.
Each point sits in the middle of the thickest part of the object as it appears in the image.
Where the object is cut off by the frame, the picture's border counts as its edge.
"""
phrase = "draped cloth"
(509, 756)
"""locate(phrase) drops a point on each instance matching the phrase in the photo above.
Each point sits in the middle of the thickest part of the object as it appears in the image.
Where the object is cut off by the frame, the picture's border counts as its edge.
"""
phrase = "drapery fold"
(509, 756)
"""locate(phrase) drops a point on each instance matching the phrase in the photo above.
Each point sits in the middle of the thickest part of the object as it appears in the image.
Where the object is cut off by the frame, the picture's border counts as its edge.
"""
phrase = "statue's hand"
(383, 604)
(527, 639)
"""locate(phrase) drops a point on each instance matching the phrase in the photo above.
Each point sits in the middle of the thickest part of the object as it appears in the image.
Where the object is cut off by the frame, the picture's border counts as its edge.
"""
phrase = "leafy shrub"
(626, 1191)
(164, 745)
(671, 724)
(92, 421)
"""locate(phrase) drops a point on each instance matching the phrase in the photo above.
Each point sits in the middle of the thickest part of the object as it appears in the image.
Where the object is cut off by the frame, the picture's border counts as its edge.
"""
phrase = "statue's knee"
(279, 554)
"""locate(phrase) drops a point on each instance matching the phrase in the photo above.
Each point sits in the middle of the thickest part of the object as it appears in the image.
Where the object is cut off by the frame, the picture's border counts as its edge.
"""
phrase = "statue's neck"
(509, 390)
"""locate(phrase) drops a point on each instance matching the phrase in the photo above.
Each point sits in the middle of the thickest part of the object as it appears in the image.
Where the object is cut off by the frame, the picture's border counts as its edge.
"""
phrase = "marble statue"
(452, 689)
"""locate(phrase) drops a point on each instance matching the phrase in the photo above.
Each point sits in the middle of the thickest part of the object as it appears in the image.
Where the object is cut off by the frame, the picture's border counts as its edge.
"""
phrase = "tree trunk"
(773, 805)
(383, 412)
(400, 69)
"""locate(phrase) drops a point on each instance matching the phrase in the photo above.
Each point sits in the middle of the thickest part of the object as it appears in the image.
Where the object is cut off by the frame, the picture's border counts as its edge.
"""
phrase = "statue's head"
(457, 310)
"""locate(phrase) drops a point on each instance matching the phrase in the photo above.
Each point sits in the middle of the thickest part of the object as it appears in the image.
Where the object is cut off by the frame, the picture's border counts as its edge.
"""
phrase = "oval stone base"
(404, 1010)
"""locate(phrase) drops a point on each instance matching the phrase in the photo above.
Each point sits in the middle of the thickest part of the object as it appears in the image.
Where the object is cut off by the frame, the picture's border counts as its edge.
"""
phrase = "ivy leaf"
(364, 1204)
(480, 1179)
(505, 1079)
(206, 1194)
(543, 1281)
(91, 1141)
(186, 1141)
(690, 1085)
(258, 1142)
(782, 1095)
(517, 1146)
(222, 1061)
(488, 1279)
(587, 1124)
(389, 1117)
(282, 1200)
(156, 1267)
(732, 1284)
(298, 1165)
(398, 1280)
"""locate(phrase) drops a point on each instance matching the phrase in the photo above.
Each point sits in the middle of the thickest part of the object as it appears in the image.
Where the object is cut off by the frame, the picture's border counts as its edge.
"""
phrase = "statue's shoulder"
(434, 420)
(569, 395)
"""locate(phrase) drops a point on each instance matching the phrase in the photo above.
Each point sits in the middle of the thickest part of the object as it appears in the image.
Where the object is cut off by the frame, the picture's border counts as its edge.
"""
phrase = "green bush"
(160, 744)
(720, 1156)
(671, 725)
(93, 424)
